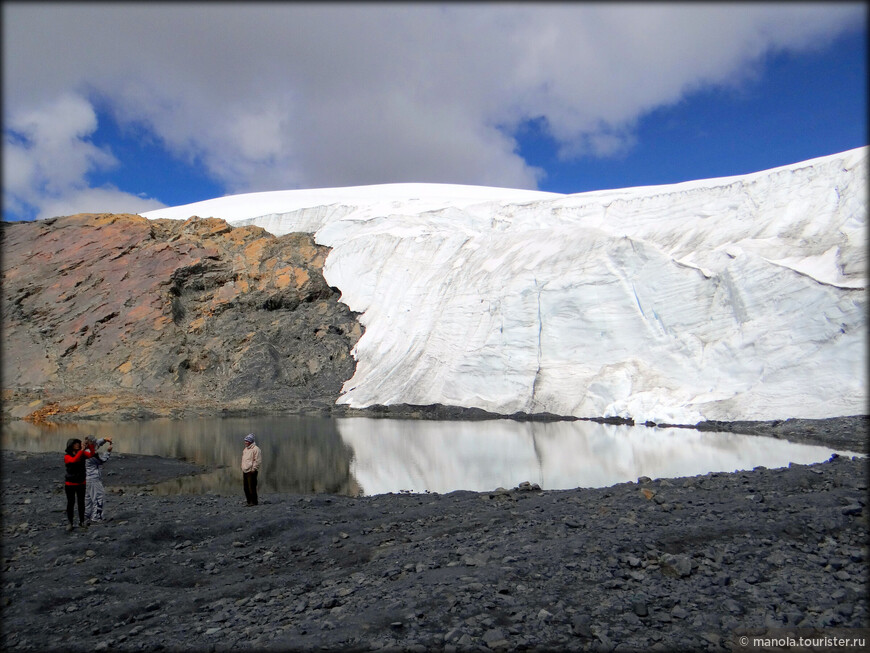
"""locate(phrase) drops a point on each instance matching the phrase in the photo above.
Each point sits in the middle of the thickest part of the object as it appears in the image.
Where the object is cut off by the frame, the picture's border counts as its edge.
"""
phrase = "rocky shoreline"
(663, 564)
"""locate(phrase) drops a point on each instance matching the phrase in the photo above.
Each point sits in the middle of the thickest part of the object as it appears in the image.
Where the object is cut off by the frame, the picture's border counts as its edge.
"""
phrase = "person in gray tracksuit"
(94, 491)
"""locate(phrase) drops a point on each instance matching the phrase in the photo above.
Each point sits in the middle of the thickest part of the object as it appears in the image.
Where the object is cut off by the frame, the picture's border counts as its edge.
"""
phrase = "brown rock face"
(115, 315)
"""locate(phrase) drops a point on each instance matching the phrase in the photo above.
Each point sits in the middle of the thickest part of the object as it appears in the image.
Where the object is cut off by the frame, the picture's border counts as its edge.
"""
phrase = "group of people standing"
(84, 477)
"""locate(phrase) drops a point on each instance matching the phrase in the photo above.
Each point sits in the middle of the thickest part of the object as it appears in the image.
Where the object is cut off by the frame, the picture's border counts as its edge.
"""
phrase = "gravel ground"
(664, 564)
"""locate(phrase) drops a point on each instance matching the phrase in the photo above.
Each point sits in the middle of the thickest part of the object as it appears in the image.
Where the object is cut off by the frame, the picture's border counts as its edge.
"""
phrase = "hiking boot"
(69, 527)
(84, 525)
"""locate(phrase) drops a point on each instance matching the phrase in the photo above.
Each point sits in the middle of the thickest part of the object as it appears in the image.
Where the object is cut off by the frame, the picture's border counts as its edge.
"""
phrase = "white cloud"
(47, 150)
(46, 157)
(275, 95)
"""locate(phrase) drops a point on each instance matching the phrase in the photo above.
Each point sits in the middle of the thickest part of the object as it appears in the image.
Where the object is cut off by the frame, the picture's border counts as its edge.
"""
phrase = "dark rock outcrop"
(116, 315)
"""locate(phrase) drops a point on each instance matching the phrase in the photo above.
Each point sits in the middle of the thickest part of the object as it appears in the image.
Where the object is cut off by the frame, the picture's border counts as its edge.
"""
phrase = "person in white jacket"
(94, 491)
(250, 467)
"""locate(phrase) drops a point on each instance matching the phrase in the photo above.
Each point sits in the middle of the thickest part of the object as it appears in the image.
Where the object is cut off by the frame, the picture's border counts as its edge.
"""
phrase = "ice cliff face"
(739, 298)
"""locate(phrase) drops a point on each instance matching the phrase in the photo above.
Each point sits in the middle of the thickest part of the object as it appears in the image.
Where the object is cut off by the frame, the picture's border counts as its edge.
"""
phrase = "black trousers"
(75, 494)
(249, 480)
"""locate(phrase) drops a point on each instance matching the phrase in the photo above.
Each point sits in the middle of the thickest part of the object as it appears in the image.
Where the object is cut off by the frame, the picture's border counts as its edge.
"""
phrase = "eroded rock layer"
(116, 315)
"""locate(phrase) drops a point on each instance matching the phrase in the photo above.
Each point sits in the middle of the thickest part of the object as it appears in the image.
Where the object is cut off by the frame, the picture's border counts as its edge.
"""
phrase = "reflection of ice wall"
(418, 455)
(737, 298)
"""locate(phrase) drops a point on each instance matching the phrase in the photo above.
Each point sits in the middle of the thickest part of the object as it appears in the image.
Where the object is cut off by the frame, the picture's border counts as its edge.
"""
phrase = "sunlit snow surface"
(740, 298)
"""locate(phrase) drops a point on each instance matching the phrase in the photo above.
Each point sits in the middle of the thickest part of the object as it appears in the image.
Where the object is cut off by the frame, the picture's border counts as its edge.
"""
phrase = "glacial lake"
(359, 456)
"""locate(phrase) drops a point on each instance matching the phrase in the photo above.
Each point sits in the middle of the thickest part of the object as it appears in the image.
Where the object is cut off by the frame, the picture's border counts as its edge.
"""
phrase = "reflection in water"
(353, 456)
(418, 456)
(300, 454)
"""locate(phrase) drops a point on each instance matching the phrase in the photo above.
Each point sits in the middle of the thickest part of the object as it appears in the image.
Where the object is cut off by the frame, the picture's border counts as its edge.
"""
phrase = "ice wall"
(737, 298)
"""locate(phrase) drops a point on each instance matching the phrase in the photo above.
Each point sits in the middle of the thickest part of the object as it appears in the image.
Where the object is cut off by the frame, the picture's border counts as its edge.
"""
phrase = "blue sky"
(803, 106)
(171, 103)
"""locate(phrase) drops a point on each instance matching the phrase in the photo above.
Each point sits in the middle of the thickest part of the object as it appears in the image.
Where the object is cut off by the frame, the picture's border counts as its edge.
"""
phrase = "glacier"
(736, 298)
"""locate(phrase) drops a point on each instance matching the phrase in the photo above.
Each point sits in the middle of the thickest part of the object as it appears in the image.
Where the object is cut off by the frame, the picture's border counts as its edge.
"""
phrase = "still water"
(365, 456)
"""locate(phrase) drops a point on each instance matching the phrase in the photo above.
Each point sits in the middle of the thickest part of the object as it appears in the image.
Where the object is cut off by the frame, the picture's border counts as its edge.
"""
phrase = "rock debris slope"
(740, 298)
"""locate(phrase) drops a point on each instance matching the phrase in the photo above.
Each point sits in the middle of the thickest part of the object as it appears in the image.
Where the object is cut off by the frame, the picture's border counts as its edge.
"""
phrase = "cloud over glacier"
(739, 298)
(275, 95)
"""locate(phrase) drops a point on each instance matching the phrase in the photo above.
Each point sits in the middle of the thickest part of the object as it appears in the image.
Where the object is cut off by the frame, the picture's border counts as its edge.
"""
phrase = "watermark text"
(802, 639)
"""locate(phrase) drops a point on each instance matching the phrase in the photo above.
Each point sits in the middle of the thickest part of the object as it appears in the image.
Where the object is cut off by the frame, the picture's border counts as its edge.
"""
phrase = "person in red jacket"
(75, 480)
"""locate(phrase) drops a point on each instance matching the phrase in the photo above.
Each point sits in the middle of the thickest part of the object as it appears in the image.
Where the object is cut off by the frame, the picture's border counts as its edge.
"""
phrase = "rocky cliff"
(118, 316)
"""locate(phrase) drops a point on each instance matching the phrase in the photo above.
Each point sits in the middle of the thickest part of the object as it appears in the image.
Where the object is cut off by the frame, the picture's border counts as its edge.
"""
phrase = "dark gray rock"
(168, 572)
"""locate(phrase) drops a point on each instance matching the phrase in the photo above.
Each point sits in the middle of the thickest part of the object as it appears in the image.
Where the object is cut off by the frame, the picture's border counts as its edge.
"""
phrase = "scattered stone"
(495, 638)
(676, 565)
(581, 625)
